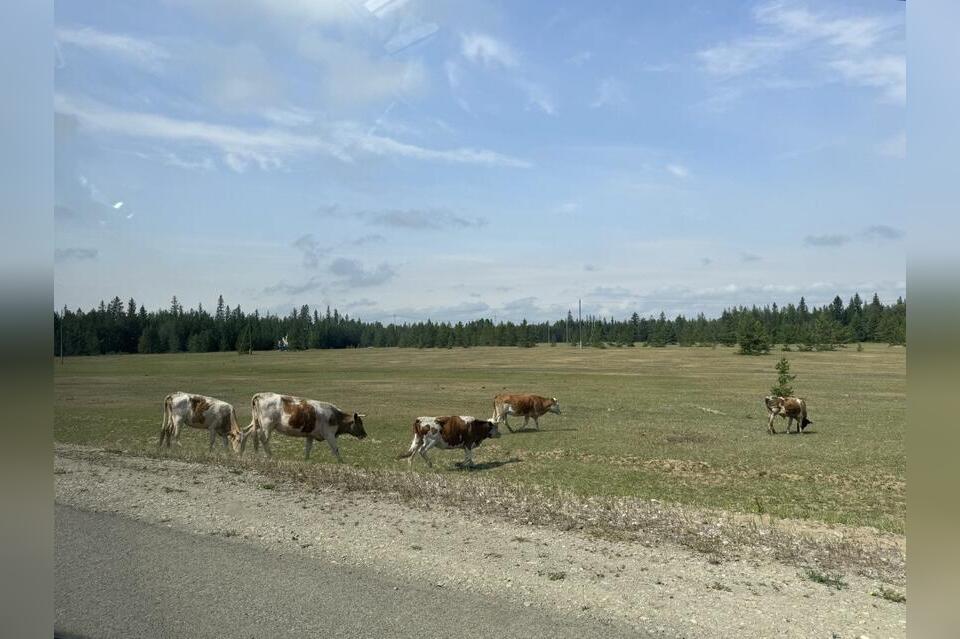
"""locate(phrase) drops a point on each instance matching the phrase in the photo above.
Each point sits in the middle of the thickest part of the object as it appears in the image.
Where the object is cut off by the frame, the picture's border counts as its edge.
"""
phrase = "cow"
(790, 408)
(526, 406)
(199, 411)
(299, 417)
(453, 431)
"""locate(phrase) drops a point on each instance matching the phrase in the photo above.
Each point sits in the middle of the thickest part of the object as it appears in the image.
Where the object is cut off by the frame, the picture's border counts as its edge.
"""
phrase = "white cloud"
(487, 51)
(295, 13)
(538, 98)
(610, 93)
(860, 50)
(267, 148)
(678, 170)
(452, 69)
(351, 75)
(118, 205)
(741, 56)
(887, 73)
(136, 50)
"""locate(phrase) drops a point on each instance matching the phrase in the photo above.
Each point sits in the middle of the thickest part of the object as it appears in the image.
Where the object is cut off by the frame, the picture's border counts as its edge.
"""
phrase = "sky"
(414, 159)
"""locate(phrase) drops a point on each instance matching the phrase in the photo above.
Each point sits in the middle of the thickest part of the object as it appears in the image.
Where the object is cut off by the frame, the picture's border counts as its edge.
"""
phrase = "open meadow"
(684, 425)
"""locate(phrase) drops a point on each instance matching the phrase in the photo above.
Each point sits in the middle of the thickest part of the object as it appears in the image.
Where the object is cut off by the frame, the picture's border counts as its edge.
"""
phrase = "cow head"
(235, 436)
(356, 428)
(492, 431)
(555, 406)
(773, 403)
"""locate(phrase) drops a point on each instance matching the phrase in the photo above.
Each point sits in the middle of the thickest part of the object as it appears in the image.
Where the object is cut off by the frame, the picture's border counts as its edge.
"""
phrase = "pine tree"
(244, 342)
(752, 336)
(783, 387)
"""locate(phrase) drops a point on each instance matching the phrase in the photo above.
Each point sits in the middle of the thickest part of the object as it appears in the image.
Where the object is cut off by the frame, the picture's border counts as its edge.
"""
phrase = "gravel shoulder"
(661, 588)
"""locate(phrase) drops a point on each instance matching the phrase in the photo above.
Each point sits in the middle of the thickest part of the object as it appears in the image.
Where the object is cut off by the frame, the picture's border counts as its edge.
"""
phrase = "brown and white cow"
(453, 431)
(790, 408)
(199, 411)
(298, 417)
(526, 406)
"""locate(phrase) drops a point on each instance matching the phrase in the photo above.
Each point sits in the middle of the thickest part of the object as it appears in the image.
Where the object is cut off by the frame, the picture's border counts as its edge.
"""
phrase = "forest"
(116, 327)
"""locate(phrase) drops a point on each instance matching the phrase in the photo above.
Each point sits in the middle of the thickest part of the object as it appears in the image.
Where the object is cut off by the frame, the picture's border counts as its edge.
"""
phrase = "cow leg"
(307, 447)
(213, 439)
(427, 445)
(332, 442)
(176, 433)
(467, 457)
(265, 440)
(773, 431)
(526, 420)
(536, 422)
(506, 422)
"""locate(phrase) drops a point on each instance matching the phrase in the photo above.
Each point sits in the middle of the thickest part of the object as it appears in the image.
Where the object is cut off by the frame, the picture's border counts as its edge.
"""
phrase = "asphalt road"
(117, 577)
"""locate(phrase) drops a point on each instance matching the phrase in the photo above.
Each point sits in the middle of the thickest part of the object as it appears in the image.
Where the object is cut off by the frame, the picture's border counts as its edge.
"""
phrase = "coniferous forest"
(118, 327)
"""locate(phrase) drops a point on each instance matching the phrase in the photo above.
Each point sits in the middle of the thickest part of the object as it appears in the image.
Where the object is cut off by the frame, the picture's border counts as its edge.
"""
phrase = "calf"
(454, 431)
(199, 411)
(526, 406)
(298, 417)
(789, 408)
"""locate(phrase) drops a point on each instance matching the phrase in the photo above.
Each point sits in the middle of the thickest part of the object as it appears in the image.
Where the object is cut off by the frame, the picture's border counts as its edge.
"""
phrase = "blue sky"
(428, 159)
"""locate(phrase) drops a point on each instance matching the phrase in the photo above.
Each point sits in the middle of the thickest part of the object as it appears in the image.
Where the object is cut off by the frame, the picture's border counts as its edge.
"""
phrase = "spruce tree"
(752, 337)
(783, 387)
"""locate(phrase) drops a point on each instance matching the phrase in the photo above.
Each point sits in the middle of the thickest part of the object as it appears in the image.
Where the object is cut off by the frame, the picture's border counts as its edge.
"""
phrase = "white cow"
(199, 411)
(298, 417)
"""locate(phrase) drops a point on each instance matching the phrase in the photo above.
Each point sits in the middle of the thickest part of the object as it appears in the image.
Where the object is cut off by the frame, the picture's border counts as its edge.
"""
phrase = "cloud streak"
(75, 254)
(410, 219)
(352, 273)
(267, 148)
(487, 51)
(856, 49)
(138, 51)
(826, 240)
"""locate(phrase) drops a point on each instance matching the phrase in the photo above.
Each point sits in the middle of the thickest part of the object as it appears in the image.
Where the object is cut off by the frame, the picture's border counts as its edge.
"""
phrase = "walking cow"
(298, 417)
(526, 406)
(199, 411)
(452, 431)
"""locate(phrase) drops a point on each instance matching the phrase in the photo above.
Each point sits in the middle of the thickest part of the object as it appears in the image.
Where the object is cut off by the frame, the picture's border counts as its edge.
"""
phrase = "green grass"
(683, 425)
(831, 580)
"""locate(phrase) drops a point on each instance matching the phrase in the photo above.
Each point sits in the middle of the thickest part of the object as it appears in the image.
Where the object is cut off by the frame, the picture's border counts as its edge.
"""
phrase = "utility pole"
(580, 320)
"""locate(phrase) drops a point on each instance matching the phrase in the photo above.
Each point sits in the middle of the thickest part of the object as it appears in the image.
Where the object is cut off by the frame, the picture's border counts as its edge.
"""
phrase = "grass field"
(683, 425)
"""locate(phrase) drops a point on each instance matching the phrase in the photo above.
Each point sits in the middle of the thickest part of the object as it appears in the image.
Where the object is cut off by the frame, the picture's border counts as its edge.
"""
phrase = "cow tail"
(254, 414)
(803, 417)
(234, 423)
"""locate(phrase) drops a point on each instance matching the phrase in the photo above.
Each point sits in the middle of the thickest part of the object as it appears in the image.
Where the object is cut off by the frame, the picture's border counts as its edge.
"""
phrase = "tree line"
(116, 327)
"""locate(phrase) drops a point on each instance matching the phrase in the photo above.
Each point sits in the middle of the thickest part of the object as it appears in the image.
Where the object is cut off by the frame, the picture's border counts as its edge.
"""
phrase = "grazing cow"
(790, 408)
(454, 431)
(298, 417)
(199, 411)
(526, 406)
